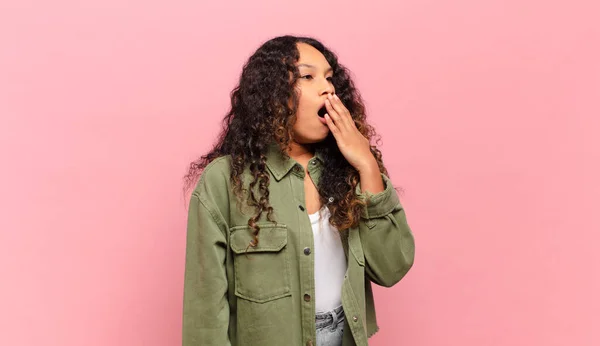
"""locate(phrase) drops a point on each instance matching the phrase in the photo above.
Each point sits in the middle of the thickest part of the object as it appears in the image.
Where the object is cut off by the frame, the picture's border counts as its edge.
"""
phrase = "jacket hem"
(373, 332)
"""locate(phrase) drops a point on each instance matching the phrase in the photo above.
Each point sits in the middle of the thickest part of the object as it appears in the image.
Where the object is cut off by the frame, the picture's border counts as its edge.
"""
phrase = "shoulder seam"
(210, 210)
(205, 203)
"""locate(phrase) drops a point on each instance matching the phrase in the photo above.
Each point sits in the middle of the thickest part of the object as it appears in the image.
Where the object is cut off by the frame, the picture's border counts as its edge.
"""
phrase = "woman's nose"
(328, 89)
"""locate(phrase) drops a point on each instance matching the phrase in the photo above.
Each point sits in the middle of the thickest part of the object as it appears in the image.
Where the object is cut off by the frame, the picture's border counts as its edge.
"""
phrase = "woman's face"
(313, 87)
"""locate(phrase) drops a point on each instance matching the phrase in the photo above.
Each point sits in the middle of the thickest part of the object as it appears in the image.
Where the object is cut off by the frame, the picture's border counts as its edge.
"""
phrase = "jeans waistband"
(330, 318)
(323, 315)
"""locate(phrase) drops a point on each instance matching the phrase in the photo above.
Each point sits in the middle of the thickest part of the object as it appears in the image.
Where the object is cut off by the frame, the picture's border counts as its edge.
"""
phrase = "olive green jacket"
(263, 295)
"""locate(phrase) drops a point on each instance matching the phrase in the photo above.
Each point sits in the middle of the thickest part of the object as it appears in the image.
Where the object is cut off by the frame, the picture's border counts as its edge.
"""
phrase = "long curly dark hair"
(263, 110)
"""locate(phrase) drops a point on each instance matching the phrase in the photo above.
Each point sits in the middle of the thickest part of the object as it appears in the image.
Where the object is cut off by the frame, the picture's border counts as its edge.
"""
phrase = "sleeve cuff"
(379, 204)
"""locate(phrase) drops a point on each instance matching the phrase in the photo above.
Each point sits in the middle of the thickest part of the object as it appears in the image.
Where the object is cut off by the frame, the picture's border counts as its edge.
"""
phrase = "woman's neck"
(300, 152)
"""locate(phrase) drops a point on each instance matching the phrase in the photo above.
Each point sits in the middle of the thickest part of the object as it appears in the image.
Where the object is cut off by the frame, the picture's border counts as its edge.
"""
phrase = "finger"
(341, 110)
(345, 111)
(333, 114)
(334, 129)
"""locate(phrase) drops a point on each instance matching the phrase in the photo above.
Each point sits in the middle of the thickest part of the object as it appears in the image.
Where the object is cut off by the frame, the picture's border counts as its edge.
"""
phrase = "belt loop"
(335, 319)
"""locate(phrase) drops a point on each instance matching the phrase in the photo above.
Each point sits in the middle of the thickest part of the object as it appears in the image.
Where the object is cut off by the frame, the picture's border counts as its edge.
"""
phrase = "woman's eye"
(330, 79)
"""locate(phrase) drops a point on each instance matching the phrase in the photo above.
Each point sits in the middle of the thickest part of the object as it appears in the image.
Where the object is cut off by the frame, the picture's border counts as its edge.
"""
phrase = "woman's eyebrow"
(311, 66)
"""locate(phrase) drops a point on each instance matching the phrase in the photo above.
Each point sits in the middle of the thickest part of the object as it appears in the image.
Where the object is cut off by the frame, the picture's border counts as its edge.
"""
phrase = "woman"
(294, 215)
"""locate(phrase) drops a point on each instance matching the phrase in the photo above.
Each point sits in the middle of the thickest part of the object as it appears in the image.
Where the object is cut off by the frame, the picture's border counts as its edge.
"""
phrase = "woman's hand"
(352, 144)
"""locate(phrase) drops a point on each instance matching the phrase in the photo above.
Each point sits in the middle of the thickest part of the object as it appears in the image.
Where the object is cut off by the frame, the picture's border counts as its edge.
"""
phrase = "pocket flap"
(271, 238)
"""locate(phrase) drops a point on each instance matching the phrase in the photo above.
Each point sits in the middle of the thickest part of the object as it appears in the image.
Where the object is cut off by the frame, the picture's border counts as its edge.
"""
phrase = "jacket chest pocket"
(262, 272)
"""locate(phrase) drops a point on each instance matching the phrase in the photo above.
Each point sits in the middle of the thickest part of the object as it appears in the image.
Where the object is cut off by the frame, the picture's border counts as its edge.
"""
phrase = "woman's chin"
(313, 137)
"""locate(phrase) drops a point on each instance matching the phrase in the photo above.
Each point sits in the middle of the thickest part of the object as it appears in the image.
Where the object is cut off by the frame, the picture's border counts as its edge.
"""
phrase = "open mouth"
(322, 111)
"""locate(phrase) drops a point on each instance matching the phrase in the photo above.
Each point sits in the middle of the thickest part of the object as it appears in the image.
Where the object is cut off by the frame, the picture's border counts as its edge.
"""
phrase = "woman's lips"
(322, 112)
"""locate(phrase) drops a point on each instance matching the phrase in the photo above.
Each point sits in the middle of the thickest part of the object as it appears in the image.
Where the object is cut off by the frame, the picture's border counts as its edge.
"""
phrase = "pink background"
(489, 115)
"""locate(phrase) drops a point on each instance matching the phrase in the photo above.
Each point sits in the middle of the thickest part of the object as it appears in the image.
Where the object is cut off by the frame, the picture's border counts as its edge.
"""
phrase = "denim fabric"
(241, 295)
(330, 327)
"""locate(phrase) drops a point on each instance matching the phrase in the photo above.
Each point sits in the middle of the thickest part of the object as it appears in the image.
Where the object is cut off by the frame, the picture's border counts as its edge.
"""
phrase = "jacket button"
(301, 207)
(307, 251)
(307, 298)
(354, 318)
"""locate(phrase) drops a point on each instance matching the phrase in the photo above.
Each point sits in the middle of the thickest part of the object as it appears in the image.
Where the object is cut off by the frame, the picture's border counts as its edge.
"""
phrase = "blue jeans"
(330, 327)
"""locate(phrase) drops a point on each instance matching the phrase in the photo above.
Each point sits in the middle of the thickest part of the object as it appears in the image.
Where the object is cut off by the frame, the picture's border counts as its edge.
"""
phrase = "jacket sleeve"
(205, 304)
(386, 238)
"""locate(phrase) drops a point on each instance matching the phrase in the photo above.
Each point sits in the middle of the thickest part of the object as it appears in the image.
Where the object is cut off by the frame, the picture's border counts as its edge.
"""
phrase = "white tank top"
(330, 262)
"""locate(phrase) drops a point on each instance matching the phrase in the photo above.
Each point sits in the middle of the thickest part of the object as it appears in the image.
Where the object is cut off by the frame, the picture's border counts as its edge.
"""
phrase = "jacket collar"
(279, 164)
